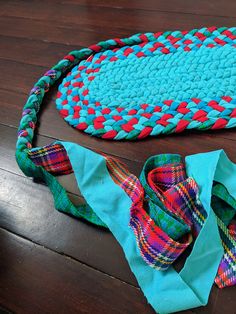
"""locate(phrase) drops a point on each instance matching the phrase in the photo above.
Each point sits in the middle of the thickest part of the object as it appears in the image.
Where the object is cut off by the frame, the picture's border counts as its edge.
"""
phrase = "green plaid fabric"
(61, 199)
(174, 226)
(223, 203)
(224, 206)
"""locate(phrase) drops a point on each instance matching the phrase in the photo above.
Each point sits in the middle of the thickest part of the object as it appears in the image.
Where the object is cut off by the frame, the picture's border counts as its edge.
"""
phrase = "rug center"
(202, 73)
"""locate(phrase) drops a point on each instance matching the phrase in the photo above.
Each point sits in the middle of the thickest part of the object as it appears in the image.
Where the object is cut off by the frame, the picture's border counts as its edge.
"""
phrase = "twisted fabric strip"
(164, 229)
(163, 83)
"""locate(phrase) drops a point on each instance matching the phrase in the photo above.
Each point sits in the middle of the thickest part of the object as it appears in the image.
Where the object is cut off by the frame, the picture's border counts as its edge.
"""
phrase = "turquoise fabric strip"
(166, 291)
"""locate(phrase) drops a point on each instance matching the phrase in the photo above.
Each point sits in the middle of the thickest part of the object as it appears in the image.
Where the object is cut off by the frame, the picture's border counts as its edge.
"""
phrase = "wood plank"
(27, 209)
(45, 224)
(200, 7)
(37, 280)
(19, 77)
(68, 236)
(41, 53)
(4, 310)
(65, 33)
(105, 17)
(56, 32)
(225, 301)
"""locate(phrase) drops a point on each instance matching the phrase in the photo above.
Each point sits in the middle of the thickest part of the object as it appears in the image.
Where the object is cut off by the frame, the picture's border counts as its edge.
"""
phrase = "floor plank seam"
(13, 91)
(89, 147)
(44, 68)
(69, 26)
(60, 139)
(40, 40)
(36, 182)
(133, 10)
(146, 10)
(65, 26)
(66, 256)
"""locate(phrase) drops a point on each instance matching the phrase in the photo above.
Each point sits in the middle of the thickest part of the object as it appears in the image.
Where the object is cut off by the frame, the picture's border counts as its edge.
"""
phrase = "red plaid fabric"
(177, 194)
(157, 248)
(53, 158)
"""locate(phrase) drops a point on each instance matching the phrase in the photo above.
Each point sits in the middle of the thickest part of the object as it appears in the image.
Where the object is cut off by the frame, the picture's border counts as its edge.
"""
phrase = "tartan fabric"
(165, 227)
(53, 158)
(178, 194)
(226, 275)
(222, 199)
(61, 199)
(162, 178)
(157, 248)
(174, 225)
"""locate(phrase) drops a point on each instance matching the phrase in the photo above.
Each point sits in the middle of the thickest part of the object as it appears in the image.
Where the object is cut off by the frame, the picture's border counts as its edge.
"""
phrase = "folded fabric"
(175, 214)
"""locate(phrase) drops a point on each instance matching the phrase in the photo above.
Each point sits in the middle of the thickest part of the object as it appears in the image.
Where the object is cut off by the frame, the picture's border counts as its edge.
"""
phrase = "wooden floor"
(50, 262)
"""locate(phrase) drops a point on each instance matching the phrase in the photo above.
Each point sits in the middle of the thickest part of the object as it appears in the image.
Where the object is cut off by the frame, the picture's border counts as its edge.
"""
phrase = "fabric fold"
(154, 218)
(166, 291)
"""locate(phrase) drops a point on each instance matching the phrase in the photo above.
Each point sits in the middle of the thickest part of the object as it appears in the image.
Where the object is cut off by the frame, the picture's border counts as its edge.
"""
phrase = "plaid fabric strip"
(157, 248)
(162, 178)
(226, 275)
(179, 194)
(223, 203)
(61, 199)
(178, 200)
(173, 225)
(174, 207)
(53, 158)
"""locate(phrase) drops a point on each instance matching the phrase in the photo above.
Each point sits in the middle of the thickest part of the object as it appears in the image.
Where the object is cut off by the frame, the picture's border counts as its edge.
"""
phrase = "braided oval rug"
(153, 83)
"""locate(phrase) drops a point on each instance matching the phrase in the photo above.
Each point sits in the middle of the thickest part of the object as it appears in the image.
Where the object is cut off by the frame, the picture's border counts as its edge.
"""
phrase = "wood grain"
(51, 262)
(103, 17)
(41, 281)
(32, 215)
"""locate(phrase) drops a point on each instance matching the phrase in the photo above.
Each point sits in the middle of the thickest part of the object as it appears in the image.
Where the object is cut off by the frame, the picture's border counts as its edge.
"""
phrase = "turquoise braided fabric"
(167, 83)
(134, 81)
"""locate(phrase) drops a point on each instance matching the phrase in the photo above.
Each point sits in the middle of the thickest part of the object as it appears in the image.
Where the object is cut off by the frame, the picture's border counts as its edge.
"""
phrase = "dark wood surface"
(51, 262)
